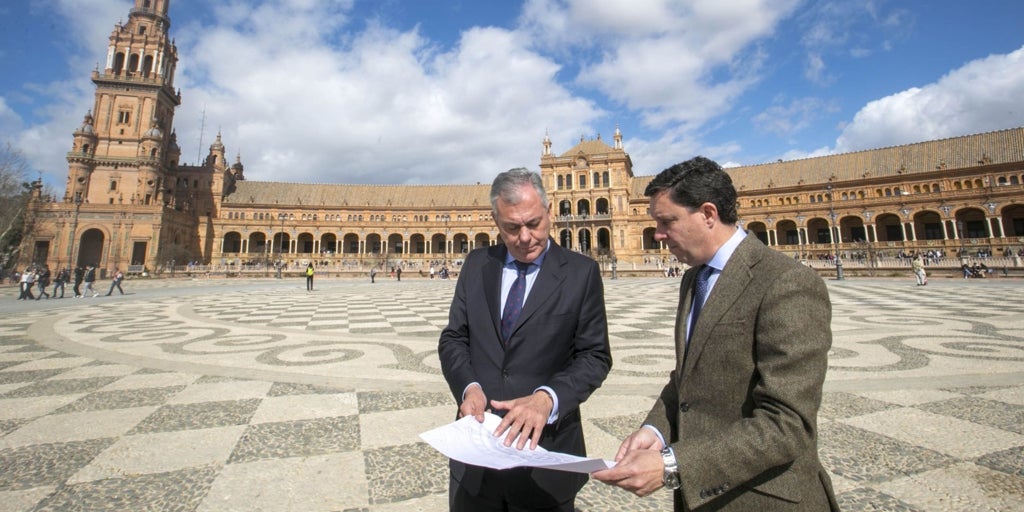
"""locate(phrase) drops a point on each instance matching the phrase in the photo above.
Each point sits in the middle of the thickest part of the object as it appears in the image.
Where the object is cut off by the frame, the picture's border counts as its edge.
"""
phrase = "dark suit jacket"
(560, 341)
(740, 410)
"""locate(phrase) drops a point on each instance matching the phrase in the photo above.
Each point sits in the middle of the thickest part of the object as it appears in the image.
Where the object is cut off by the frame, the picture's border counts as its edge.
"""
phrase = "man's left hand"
(525, 419)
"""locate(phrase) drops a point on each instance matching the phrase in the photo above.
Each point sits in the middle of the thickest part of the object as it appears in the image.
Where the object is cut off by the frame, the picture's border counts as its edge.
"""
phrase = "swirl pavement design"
(257, 395)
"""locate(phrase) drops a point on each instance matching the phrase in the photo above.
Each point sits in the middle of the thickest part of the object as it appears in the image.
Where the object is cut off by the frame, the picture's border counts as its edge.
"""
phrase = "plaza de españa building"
(130, 203)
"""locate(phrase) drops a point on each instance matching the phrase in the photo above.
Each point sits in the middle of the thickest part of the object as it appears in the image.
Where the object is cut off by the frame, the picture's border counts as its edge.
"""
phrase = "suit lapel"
(732, 282)
(491, 275)
(685, 300)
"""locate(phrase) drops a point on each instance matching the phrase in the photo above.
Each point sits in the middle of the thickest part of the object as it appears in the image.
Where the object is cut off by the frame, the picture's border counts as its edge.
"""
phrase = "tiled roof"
(968, 151)
(959, 152)
(394, 196)
(589, 147)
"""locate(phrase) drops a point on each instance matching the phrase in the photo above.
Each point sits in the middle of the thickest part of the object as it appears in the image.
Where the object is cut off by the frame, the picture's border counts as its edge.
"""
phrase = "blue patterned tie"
(700, 294)
(514, 301)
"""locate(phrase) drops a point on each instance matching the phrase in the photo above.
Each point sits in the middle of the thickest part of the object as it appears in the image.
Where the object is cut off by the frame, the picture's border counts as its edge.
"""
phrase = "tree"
(868, 253)
(14, 196)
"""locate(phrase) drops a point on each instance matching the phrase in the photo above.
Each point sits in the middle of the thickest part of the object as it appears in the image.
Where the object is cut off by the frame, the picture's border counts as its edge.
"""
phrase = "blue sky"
(434, 92)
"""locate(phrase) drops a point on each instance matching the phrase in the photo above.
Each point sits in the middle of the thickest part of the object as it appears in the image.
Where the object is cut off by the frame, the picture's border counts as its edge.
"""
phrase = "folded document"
(472, 442)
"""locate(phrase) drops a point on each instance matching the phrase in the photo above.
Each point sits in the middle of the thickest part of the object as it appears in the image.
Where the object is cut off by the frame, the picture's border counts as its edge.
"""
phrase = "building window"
(124, 117)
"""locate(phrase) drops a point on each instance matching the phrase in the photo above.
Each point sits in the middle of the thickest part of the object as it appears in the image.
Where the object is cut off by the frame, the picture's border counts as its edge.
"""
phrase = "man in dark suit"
(552, 354)
(735, 428)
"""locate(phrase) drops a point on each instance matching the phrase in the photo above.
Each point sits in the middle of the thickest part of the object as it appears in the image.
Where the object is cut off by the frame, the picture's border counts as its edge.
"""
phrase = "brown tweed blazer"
(740, 409)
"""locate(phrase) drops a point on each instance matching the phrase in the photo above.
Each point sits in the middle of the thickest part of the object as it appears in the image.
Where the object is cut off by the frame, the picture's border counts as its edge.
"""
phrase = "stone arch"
(232, 242)
(649, 243)
(395, 245)
(90, 247)
(583, 207)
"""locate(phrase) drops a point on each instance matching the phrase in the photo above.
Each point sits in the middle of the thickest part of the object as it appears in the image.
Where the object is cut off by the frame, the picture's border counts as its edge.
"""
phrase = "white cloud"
(981, 96)
(10, 121)
(671, 62)
(844, 28)
(784, 119)
(384, 107)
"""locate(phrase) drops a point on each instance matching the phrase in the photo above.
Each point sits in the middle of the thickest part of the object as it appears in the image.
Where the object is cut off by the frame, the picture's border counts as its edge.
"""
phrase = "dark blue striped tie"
(514, 302)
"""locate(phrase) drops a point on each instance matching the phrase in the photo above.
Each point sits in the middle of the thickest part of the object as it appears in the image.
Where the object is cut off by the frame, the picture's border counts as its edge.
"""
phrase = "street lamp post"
(74, 229)
(800, 236)
(447, 234)
(281, 217)
(834, 230)
(270, 249)
(960, 235)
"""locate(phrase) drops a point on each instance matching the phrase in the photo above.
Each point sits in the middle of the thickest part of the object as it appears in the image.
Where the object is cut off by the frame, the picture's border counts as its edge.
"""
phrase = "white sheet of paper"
(472, 442)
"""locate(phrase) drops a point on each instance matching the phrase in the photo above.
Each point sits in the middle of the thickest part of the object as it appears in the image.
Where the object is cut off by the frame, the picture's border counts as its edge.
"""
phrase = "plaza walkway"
(244, 395)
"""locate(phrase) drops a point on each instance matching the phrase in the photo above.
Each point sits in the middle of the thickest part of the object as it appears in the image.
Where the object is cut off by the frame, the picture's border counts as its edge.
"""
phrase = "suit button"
(504, 374)
(683, 407)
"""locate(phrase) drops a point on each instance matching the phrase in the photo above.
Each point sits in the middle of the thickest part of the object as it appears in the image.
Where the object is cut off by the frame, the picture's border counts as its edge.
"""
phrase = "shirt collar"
(510, 261)
(725, 251)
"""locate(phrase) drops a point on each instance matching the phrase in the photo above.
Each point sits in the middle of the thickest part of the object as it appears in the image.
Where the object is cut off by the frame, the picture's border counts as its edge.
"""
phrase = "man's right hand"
(639, 467)
(474, 403)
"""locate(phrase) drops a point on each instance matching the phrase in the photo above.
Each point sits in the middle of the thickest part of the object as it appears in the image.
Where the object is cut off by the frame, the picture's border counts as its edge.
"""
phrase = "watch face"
(672, 481)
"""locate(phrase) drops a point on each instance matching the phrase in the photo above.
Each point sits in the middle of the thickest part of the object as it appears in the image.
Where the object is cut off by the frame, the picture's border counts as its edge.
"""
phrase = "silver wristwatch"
(671, 477)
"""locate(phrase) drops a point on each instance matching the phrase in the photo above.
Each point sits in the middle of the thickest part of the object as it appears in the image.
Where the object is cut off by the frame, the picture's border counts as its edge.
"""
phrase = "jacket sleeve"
(453, 346)
(591, 356)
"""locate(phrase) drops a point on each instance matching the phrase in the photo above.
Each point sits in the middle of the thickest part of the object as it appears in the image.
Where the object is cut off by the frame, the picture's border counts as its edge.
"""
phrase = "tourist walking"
(918, 265)
(90, 278)
(116, 282)
(42, 281)
(59, 282)
(79, 277)
(28, 279)
(309, 277)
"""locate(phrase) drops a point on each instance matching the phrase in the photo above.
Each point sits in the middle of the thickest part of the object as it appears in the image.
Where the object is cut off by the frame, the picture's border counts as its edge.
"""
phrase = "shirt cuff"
(657, 433)
(477, 384)
(553, 417)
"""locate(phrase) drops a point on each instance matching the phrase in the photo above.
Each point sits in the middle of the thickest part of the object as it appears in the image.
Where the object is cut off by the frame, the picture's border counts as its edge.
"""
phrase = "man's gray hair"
(506, 186)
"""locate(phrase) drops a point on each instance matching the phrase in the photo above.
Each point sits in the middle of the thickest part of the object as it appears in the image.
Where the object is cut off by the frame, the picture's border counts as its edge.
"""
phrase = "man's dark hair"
(697, 181)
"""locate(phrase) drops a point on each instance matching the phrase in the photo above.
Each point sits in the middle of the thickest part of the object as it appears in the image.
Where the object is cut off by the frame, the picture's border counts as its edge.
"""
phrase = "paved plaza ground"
(245, 395)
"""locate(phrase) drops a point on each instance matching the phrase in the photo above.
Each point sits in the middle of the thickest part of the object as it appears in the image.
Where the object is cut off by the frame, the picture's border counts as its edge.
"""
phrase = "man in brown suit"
(735, 428)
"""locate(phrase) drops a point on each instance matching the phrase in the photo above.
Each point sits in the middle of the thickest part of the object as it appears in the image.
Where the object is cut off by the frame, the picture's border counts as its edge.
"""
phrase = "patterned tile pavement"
(233, 394)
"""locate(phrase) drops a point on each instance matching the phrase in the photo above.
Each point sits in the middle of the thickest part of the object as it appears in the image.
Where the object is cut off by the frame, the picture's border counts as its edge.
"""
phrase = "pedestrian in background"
(90, 278)
(309, 277)
(59, 282)
(918, 265)
(116, 282)
(28, 279)
(42, 281)
(79, 277)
